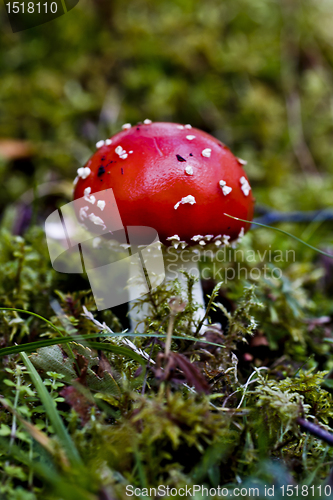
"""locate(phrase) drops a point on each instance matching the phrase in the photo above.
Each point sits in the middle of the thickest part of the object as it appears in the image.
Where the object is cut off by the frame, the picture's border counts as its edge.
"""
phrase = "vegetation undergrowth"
(89, 409)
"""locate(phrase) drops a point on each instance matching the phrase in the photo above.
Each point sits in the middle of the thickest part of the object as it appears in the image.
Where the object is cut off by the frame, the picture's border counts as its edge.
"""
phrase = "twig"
(169, 333)
(275, 217)
(286, 233)
(315, 430)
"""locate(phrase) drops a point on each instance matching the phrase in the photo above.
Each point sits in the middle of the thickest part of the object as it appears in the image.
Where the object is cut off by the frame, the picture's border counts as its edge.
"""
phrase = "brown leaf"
(177, 369)
(104, 365)
(78, 402)
(82, 364)
(191, 373)
(12, 149)
(258, 340)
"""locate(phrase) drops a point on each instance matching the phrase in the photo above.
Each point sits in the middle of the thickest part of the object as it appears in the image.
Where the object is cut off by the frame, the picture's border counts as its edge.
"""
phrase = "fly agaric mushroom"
(174, 178)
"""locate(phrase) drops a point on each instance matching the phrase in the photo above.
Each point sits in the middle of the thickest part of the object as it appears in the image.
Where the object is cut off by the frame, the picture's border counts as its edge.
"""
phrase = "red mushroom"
(174, 178)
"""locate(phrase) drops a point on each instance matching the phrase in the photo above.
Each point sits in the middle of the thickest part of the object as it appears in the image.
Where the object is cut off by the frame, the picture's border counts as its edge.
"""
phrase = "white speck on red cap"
(108, 142)
(123, 156)
(181, 127)
(187, 199)
(126, 126)
(130, 152)
(225, 189)
(197, 237)
(245, 186)
(88, 197)
(75, 181)
(83, 212)
(208, 237)
(188, 126)
(218, 243)
(83, 172)
(96, 220)
(190, 137)
(189, 170)
(202, 243)
(242, 162)
(175, 237)
(101, 204)
(119, 150)
(99, 144)
(147, 121)
(226, 239)
(206, 152)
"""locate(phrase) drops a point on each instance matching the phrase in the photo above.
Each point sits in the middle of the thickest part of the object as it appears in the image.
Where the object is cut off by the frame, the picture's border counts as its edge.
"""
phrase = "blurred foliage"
(257, 74)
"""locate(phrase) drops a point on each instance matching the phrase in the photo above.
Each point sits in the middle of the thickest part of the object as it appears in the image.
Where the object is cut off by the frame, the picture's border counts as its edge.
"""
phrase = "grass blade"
(33, 346)
(283, 232)
(51, 411)
(33, 314)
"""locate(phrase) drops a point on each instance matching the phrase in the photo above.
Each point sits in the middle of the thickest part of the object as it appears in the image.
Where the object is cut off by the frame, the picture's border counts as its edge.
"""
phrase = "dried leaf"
(78, 402)
(12, 149)
(177, 369)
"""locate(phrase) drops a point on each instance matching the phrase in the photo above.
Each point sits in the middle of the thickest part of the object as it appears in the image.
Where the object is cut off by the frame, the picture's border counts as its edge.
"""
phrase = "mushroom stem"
(175, 262)
(137, 314)
(178, 262)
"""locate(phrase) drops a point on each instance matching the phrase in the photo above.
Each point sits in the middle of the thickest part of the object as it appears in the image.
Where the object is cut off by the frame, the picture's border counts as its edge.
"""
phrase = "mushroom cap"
(176, 179)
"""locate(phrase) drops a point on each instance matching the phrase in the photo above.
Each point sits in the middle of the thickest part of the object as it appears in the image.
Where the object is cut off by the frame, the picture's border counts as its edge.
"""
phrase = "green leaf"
(61, 484)
(56, 358)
